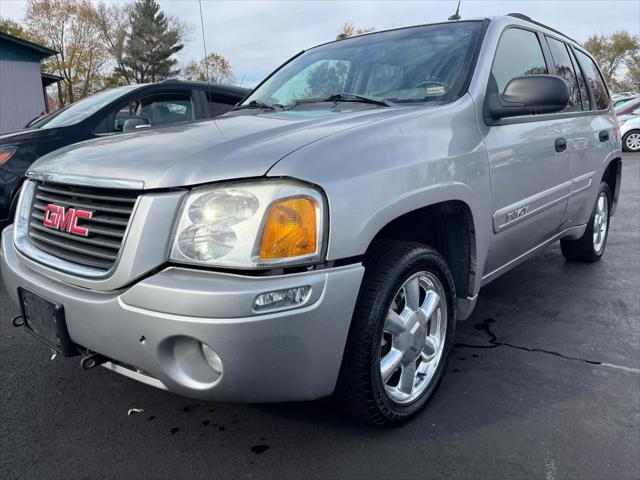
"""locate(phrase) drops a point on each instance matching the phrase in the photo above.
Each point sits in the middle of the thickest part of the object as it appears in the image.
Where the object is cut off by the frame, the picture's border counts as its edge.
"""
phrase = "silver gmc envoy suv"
(323, 237)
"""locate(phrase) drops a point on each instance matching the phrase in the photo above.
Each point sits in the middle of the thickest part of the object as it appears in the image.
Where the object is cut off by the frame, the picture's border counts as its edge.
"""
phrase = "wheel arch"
(448, 227)
(612, 176)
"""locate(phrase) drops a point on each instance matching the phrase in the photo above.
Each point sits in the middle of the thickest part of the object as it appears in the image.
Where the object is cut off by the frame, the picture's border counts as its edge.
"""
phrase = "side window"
(518, 53)
(159, 109)
(121, 117)
(595, 81)
(566, 71)
(219, 104)
(584, 93)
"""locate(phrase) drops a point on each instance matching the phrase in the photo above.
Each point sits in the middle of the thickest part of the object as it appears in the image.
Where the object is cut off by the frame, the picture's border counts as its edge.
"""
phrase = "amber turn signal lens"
(5, 154)
(290, 229)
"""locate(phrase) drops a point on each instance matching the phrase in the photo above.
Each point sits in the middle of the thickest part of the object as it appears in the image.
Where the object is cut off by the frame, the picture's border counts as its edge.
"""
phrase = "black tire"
(360, 390)
(582, 249)
(624, 141)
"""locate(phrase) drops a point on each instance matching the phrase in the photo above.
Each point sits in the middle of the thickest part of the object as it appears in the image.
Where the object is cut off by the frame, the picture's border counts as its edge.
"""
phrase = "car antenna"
(456, 16)
(204, 44)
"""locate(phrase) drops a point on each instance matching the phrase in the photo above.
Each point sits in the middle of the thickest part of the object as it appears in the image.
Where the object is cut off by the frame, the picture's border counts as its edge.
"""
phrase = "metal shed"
(21, 85)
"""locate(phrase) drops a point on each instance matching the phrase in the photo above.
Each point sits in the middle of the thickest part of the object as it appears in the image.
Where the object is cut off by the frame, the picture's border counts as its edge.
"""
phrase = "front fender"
(375, 173)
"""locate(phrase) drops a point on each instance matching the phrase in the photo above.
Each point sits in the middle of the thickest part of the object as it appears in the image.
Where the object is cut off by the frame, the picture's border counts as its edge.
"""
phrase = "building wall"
(21, 97)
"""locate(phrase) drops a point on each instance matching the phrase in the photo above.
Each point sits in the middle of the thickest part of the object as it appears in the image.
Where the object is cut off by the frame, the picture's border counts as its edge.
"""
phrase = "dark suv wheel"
(401, 333)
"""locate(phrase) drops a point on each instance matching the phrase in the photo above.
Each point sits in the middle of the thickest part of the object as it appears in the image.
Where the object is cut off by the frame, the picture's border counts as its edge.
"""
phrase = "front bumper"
(155, 326)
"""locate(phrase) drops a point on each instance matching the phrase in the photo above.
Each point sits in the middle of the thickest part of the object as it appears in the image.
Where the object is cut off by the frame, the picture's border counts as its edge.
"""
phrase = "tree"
(69, 27)
(632, 77)
(327, 78)
(10, 27)
(151, 43)
(114, 24)
(219, 69)
(349, 30)
(614, 53)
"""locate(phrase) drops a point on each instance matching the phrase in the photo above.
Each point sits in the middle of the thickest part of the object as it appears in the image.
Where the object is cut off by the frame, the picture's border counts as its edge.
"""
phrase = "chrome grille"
(111, 210)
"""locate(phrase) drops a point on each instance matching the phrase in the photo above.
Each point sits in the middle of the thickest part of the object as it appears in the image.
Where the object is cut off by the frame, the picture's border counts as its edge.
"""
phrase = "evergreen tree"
(151, 43)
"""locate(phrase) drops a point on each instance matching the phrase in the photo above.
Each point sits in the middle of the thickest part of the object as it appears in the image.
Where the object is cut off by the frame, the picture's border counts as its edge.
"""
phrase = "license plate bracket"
(45, 320)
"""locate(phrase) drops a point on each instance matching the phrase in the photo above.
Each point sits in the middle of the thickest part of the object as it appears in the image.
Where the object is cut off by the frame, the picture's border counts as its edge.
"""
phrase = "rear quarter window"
(594, 80)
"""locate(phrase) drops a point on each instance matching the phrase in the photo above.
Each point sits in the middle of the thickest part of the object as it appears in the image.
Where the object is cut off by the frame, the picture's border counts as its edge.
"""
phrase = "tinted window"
(418, 64)
(584, 93)
(596, 83)
(159, 109)
(219, 103)
(519, 53)
(566, 71)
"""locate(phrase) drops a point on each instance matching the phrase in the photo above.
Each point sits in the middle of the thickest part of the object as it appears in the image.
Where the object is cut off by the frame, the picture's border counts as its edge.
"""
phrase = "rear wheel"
(401, 333)
(631, 141)
(590, 247)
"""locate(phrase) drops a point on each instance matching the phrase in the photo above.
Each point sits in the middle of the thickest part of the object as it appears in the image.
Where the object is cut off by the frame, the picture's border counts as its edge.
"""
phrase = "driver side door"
(530, 178)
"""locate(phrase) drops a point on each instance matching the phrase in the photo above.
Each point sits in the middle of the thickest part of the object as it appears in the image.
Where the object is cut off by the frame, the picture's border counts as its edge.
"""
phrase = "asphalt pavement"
(544, 383)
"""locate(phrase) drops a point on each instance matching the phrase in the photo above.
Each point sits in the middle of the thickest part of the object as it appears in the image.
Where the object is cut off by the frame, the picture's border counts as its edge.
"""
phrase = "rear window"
(595, 81)
(565, 70)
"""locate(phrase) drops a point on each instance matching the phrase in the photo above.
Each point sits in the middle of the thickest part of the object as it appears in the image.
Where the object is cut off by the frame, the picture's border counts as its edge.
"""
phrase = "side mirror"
(528, 95)
(133, 124)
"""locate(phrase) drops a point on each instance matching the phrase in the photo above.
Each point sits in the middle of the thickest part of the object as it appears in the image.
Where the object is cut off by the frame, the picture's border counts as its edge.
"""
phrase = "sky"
(257, 36)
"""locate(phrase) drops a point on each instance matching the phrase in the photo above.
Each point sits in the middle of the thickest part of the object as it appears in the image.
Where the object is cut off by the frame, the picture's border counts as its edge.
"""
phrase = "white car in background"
(619, 96)
(630, 133)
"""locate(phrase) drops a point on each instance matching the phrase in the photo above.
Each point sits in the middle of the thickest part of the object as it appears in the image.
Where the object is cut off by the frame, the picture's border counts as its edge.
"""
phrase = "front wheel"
(590, 247)
(401, 333)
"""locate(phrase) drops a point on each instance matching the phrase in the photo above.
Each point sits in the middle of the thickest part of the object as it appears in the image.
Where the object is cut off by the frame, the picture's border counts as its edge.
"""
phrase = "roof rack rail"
(530, 20)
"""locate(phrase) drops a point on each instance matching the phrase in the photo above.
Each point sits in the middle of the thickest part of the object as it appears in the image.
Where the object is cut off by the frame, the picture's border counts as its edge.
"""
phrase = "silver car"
(326, 235)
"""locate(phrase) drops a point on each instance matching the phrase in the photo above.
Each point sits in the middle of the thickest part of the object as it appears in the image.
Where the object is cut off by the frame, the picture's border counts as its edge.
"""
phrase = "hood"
(25, 135)
(238, 145)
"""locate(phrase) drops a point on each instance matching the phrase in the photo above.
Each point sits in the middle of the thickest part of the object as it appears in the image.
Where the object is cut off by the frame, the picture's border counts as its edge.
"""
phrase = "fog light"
(290, 297)
(212, 358)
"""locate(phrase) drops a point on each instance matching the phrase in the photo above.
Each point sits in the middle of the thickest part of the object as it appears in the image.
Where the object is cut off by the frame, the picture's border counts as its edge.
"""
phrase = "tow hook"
(92, 360)
(17, 321)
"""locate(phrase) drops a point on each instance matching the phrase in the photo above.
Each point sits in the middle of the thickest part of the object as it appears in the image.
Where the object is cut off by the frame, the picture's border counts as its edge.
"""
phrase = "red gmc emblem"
(65, 219)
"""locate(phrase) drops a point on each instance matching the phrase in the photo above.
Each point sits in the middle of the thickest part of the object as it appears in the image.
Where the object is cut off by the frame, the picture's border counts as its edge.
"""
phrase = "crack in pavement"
(485, 326)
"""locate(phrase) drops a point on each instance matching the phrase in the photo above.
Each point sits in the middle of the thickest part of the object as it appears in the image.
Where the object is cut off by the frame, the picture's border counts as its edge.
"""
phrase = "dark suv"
(104, 114)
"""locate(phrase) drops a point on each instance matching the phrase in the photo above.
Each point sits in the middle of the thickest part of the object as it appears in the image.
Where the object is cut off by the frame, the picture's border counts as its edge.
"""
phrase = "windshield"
(417, 64)
(80, 110)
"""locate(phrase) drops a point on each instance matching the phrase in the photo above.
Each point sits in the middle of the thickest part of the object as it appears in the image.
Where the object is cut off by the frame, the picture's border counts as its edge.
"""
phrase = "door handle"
(603, 135)
(561, 144)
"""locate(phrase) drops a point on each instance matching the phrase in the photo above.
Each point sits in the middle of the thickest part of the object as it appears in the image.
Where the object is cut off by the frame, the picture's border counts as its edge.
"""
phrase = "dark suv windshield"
(417, 64)
(80, 110)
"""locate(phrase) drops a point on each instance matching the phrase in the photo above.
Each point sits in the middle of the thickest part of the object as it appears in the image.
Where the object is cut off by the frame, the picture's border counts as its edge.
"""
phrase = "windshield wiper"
(258, 104)
(342, 97)
(353, 97)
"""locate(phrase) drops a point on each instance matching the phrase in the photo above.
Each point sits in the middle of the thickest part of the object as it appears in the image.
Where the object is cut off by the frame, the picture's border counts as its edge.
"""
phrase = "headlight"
(5, 153)
(251, 225)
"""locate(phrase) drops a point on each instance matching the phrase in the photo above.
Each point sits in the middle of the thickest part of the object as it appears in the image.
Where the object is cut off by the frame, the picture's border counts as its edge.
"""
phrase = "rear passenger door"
(530, 180)
(590, 150)
(577, 121)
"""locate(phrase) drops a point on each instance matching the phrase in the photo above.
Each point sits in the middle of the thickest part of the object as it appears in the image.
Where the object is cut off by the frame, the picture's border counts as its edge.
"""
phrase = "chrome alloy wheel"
(413, 337)
(633, 142)
(600, 222)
